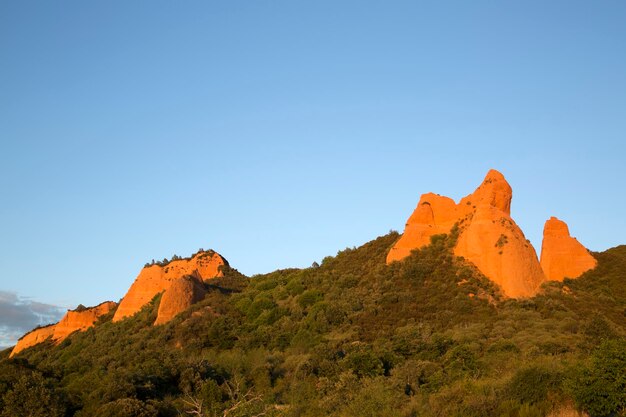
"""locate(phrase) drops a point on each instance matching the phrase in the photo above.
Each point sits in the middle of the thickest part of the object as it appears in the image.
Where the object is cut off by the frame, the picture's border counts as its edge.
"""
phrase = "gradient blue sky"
(278, 132)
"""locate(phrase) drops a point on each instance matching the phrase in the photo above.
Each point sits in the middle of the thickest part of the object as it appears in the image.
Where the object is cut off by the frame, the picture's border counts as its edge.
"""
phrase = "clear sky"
(279, 132)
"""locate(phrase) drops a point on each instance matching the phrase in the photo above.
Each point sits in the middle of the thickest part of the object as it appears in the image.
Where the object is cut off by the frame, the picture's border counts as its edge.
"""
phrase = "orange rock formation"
(33, 338)
(562, 255)
(488, 236)
(80, 319)
(180, 279)
(74, 320)
(155, 279)
(182, 294)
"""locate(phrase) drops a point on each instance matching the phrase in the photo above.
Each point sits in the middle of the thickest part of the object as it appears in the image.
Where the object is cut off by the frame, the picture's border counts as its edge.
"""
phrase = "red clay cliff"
(488, 236)
(562, 255)
(155, 279)
(181, 279)
(74, 320)
(182, 294)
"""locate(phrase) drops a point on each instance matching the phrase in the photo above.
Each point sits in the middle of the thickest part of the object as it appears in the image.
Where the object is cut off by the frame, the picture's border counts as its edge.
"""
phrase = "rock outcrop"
(32, 338)
(74, 320)
(182, 294)
(562, 256)
(434, 215)
(80, 319)
(181, 279)
(497, 246)
(155, 279)
(488, 236)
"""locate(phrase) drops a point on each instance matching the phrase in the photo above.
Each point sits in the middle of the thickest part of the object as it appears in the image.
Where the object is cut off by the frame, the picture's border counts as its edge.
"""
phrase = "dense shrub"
(365, 363)
(32, 396)
(533, 384)
(127, 407)
(600, 387)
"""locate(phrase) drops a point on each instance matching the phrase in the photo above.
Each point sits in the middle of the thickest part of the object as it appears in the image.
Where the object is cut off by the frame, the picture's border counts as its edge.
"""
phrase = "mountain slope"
(428, 336)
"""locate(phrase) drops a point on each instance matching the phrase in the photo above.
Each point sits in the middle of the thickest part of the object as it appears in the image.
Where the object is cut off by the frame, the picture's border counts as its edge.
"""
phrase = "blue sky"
(278, 132)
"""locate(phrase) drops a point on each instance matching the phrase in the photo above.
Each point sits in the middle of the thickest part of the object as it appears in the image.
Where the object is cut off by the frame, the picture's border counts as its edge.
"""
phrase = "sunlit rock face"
(562, 256)
(182, 294)
(155, 279)
(33, 338)
(497, 246)
(81, 319)
(434, 215)
(488, 236)
(74, 320)
(183, 283)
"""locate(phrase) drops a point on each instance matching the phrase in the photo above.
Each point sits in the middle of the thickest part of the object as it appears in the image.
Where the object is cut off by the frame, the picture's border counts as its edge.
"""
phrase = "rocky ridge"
(181, 281)
(154, 279)
(74, 320)
(489, 238)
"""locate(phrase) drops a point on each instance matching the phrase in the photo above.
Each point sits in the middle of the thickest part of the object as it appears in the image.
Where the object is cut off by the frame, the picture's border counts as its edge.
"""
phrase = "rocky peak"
(489, 238)
(562, 255)
(555, 227)
(494, 191)
(154, 279)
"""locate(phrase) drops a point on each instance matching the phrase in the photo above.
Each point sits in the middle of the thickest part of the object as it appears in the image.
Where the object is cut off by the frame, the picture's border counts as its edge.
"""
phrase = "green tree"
(127, 407)
(309, 297)
(531, 385)
(600, 388)
(365, 363)
(595, 331)
(32, 396)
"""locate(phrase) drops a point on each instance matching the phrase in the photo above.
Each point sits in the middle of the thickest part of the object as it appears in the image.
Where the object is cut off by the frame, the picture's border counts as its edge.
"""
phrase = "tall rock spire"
(494, 191)
(562, 255)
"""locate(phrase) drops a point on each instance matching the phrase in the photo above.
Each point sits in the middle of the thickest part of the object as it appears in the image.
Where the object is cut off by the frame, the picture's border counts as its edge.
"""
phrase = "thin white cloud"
(19, 315)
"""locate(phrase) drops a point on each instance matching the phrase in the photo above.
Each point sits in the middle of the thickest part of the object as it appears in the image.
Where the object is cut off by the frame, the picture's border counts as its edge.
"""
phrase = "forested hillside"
(427, 336)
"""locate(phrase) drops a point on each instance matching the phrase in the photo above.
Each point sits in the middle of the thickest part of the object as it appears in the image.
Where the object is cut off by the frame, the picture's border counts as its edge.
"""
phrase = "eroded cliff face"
(155, 279)
(80, 320)
(33, 338)
(433, 215)
(562, 255)
(497, 246)
(182, 294)
(74, 320)
(182, 280)
(488, 236)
